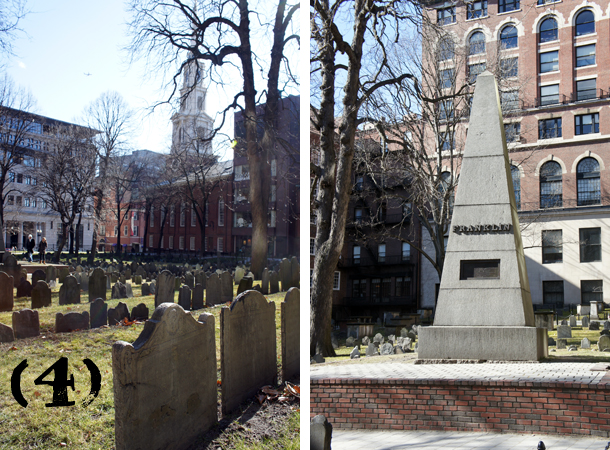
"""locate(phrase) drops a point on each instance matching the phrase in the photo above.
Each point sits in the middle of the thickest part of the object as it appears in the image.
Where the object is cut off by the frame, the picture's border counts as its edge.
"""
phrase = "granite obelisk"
(484, 309)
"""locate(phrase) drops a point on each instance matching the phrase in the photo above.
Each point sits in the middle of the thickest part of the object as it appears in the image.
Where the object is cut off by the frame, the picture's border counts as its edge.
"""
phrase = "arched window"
(548, 30)
(585, 22)
(476, 43)
(445, 49)
(588, 187)
(508, 37)
(550, 185)
(516, 176)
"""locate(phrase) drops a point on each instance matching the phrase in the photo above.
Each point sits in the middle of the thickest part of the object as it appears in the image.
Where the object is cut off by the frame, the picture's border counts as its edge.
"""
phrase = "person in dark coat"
(42, 248)
(29, 246)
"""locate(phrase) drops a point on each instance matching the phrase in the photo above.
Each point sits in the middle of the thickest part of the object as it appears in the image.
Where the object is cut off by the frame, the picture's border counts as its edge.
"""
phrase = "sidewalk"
(415, 440)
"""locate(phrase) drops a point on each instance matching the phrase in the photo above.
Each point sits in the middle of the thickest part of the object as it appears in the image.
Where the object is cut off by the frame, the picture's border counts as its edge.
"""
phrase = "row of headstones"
(171, 367)
(562, 343)
(26, 322)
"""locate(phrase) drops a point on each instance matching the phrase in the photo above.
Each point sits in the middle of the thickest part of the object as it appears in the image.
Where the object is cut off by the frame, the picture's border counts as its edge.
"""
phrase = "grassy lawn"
(78, 427)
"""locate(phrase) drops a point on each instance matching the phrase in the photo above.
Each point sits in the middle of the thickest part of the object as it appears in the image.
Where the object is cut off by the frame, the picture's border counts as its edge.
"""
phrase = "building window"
(509, 67)
(548, 30)
(359, 288)
(220, 245)
(590, 244)
(474, 70)
(549, 95)
(512, 131)
(272, 218)
(445, 16)
(192, 240)
(508, 5)
(585, 55)
(125, 230)
(171, 242)
(549, 128)
(193, 217)
(272, 193)
(151, 217)
(585, 89)
(508, 35)
(273, 167)
(551, 191)
(28, 179)
(476, 43)
(516, 177)
(406, 251)
(586, 124)
(242, 173)
(11, 177)
(552, 293)
(151, 241)
(446, 78)
(587, 182)
(445, 109)
(172, 216)
(446, 49)
(376, 289)
(549, 61)
(336, 281)
(135, 231)
(591, 291)
(182, 216)
(206, 212)
(34, 206)
(509, 100)
(359, 185)
(312, 246)
(19, 178)
(476, 9)
(446, 141)
(585, 23)
(26, 202)
(552, 246)
(181, 242)
(381, 253)
(356, 254)
(221, 212)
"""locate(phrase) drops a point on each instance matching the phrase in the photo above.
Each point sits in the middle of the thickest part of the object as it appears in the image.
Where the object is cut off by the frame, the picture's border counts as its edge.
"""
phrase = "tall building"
(553, 60)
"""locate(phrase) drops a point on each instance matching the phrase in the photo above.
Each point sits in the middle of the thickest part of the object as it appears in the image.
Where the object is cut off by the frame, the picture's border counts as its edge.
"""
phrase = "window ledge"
(548, 3)
(552, 72)
(477, 18)
(508, 12)
(586, 67)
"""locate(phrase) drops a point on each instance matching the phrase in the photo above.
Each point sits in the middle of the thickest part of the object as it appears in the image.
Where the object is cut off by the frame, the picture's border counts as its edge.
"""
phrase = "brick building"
(557, 126)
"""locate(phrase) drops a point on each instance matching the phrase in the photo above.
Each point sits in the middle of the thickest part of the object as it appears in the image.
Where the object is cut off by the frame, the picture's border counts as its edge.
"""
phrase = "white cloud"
(21, 64)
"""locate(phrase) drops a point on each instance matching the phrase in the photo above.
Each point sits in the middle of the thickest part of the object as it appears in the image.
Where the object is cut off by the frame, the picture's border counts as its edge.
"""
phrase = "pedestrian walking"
(42, 248)
(29, 246)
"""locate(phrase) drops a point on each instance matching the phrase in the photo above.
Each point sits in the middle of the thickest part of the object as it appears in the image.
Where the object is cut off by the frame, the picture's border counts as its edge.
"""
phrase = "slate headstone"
(116, 315)
(98, 313)
(320, 433)
(226, 287)
(572, 321)
(355, 353)
(41, 295)
(564, 331)
(184, 297)
(265, 282)
(24, 289)
(165, 288)
(69, 292)
(561, 344)
(6, 333)
(585, 322)
(603, 343)
(387, 349)
(295, 272)
(6, 292)
(371, 350)
(212, 291)
(585, 343)
(72, 321)
(38, 274)
(145, 289)
(197, 300)
(139, 312)
(274, 282)
(26, 324)
(245, 284)
(594, 325)
(119, 291)
(285, 274)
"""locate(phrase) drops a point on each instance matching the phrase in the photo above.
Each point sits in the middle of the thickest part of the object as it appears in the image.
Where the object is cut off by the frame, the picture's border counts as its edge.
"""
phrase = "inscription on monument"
(484, 228)
(481, 269)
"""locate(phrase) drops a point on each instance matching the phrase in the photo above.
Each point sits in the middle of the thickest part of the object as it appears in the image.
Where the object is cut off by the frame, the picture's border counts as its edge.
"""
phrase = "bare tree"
(16, 124)
(11, 13)
(65, 176)
(112, 118)
(222, 34)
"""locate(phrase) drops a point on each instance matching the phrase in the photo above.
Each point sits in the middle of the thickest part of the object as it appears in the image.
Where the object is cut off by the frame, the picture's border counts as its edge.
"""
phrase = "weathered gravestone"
(166, 284)
(603, 343)
(355, 353)
(295, 272)
(239, 274)
(26, 324)
(274, 282)
(371, 350)
(84, 282)
(177, 283)
(51, 274)
(41, 295)
(594, 325)
(212, 291)
(153, 287)
(572, 321)
(366, 340)
(119, 291)
(585, 322)
(378, 339)
(11, 268)
(63, 273)
(484, 299)
(97, 284)
(561, 344)
(197, 300)
(184, 297)
(189, 280)
(265, 282)
(320, 433)
(69, 292)
(564, 331)
(65, 323)
(98, 313)
(243, 373)
(585, 343)
(285, 274)
(387, 349)
(244, 285)
(290, 333)
(6, 333)
(226, 287)
(165, 390)
(116, 315)
(145, 289)
(139, 312)
(24, 289)
(128, 290)
(38, 274)
(200, 278)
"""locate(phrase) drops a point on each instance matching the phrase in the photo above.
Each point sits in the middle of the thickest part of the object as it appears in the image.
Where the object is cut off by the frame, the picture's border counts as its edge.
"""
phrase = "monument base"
(482, 343)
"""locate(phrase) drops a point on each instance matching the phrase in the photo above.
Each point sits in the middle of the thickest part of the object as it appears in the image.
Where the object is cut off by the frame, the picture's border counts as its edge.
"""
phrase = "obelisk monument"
(484, 309)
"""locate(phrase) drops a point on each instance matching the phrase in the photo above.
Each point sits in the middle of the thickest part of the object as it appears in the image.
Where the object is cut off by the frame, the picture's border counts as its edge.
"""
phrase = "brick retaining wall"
(462, 405)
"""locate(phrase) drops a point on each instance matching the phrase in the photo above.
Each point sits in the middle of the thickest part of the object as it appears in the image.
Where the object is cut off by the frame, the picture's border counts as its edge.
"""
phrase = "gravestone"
(585, 343)
(189, 280)
(595, 309)
(145, 289)
(26, 324)
(572, 321)
(378, 339)
(244, 285)
(184, 297)
(366, 340)
(41, 295)
(128, 290)
(177, 283)
(63, 273)
(594, 325)
(239, 274)
(165, 390)
(69, 292)
(564, 331)
(197, 300)
(153, 287)
(561, 344)
(585, 322)
(119, 291)
(98, 313)
(320, 433)
(6, 333)
(350, 341)
(603, 343)
(606, 325)
(38, 274)
(285, 274)
(24, 289)
(226, 287)
(274, 282)
(387, 349)
(72, 321)
(11, 268)
(355, 353)
(139, 312)
(290, 333)
(84, 282)
(371, 350)
(265, 282)
(295, 272)
(484, 299)
(116, 315)
(165, 288)
(243, 373)
(51, 274)
(137, 279)
(212, 291)
(200, 278)
(552, 341)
